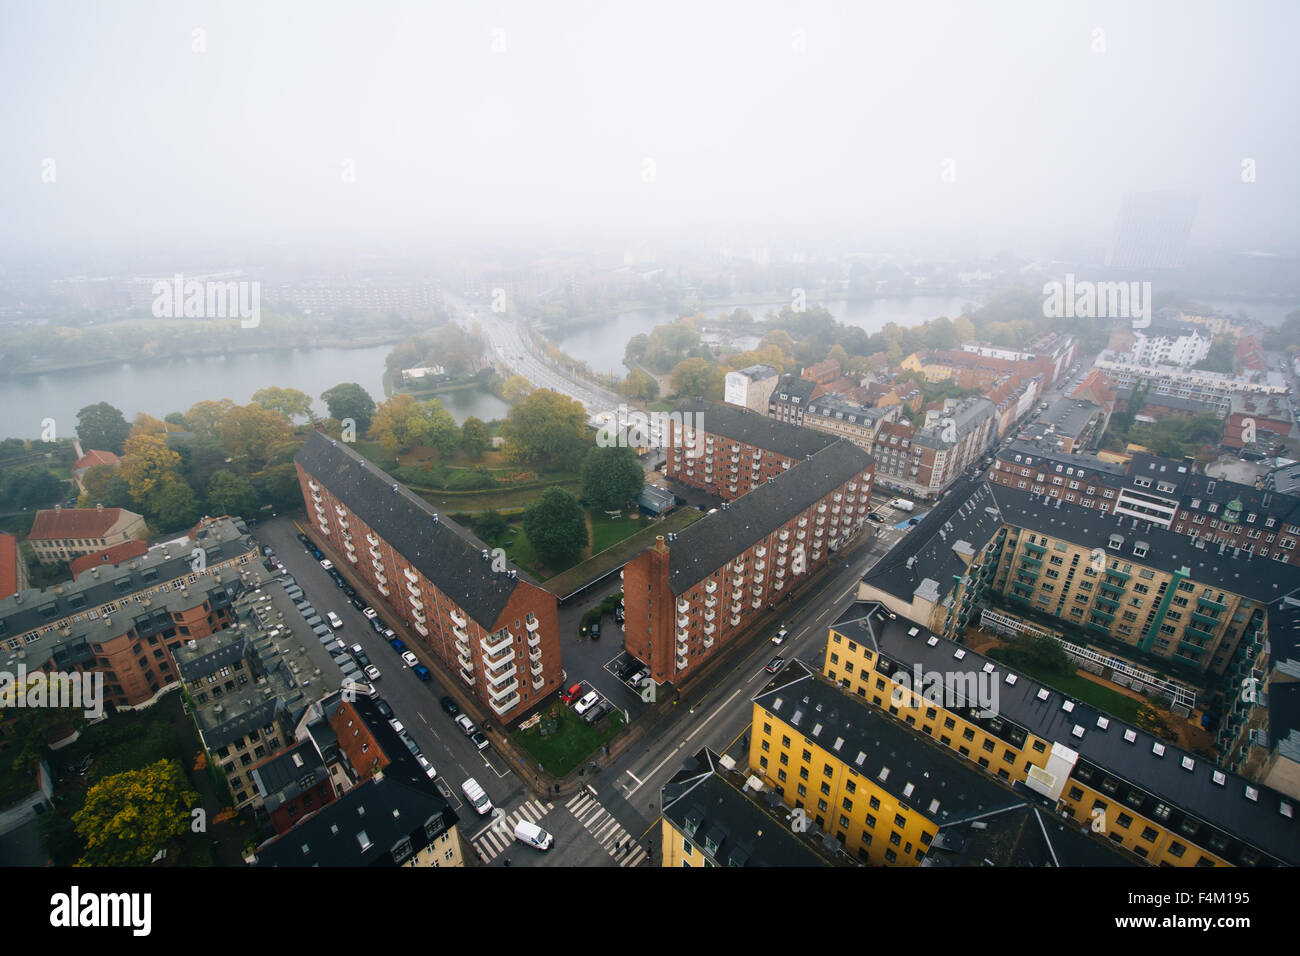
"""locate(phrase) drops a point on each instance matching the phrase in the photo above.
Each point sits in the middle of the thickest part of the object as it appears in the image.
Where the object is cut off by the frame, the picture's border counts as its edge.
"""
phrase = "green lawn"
(1103, 698)
(622, 552)
(607, 532)
(575, 742)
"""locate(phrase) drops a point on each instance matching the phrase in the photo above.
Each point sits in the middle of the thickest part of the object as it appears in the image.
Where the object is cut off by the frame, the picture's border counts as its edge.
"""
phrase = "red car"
(572, 694)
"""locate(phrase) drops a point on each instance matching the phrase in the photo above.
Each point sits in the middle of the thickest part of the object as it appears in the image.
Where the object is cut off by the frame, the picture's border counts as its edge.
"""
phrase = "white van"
(533, 835)
(475, 795)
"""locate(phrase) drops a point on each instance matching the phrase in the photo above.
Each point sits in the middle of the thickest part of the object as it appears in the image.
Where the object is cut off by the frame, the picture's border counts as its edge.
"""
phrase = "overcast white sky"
(155, 144)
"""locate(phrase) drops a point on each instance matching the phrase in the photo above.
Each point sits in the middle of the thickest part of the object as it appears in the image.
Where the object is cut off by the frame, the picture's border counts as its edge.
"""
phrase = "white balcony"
(467, 664)
(347, 543)
(457, 617)
(710, 628)
(758, 592)
(340, 511)
(760, 565)
(681, 634)
(461, 634)
(423, 631)
(493, 644)
(312, 485)
(383, 590)
(837, 497)
(711, 586)
(737, 582)
(852, 486)
(709, 615)
(532, 624)
(683, 605)
(758, 579)
(536, 668)
(803, 522)
(821, 509)
(756, 603)
(681, 663)
(497, 680)
(683, 620)
(371, 539)
(821, 520)
(785, 534)
(817, 555)
(760, 552)
(464, 656)
(710, 602)
(413, 588)
(351, 556)
(535, 653)
(499, 659)
(779, 573)
(681, 645)
(467, 676)
(780, 559)
(505, 704)
(375, 556)
(735, 620)
(344, 525)
(538, 681)
(534, 639)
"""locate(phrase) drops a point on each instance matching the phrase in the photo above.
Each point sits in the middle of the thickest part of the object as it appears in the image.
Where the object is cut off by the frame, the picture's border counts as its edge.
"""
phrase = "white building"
(751, 387)
(1181, 345)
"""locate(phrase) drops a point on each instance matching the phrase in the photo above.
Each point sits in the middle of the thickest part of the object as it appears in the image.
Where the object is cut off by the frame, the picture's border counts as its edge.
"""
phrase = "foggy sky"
(157, 146)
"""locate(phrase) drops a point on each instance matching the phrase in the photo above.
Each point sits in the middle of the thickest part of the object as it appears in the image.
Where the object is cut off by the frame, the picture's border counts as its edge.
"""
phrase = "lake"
(601, 345)
(173, 385)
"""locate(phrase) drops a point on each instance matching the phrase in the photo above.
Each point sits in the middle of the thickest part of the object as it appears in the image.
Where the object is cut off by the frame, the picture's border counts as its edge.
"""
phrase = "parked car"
(597, 712)
(350, 591)
(377, 626)
(409, 659)
(572, 694)
(774, 665)
(399, 645)
(306, 541)
(317, 553)
(477, 797)
(594, 633)
(268, 550)
(423, 761)
(335, 621)
(779, 636)
(422, 672)
(372, 671)
(639, 678)
(450, 706)
(396, 725)
(479, 739)
(588, 702)
(360, 656)
(357, 603)
(381, 705)
(370, 613)
(326, 563)
(629, 667)
(466, 725)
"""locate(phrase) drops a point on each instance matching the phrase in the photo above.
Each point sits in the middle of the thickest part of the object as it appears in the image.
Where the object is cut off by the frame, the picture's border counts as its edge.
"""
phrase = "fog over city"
(145, 127)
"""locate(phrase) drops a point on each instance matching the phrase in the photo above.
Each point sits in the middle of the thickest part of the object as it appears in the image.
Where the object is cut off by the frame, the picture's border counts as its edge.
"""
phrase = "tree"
(147, 465)
(176, 418)
(698, 377)
(965, 329)
(128, 817)
(248, 433)
(1221, 358)
(350, 400)
(102, 427)
(277, 486)
(176, 506)
(611, 477)
(490, 526)
(231, 494)
(546, 428)
(474, 438)
(515, 389)
(288, 402)
(203, 417)
(399, 423)
(32, 487)
(440, 429)
(105, 486)
(146, 424)
(639, 387)
(556, 527)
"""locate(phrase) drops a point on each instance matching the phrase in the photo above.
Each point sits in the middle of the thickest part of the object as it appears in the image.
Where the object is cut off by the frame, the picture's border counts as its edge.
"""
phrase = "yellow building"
(714, 816)
(867, 782)
(1148, 797)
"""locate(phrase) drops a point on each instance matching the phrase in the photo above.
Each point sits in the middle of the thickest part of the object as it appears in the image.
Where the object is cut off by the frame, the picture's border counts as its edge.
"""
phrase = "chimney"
(659, 544)
(99, 507)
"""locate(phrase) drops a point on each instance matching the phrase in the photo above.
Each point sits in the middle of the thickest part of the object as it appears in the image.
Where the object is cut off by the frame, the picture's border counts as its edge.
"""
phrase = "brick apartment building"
(482, 618)
(128, 621)
(799, 497)
(1244, 520)
(13, 569)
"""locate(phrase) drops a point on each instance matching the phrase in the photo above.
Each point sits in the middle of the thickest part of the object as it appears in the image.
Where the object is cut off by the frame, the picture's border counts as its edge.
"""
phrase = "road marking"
(609, 833)
(670, 756)
(498, 835)
(632, 775)
(423, 718)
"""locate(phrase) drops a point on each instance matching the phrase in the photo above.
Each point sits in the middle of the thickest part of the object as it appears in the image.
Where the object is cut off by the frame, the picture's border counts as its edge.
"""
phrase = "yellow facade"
(676, 848)
(853, 664)
(871, 822)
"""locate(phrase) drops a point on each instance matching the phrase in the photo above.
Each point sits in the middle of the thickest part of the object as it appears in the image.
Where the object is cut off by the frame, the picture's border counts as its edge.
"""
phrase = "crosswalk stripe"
(634, 859)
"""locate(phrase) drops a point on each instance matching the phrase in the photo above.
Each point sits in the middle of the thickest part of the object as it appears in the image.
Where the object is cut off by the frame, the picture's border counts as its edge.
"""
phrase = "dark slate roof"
(1276, 504)
(790, 387)
(1042, 456)
(743, 426)
(1025, 835)
(193, 668)
(748, 832)
(1284, 718)
(1155, 469)
(32, 607)
(915, 770)
(1259, 579)
(1259, 823)
(442, 551)
(289, 773)
(1070, 416)
(961, 515)
(362, 827)
(708, 544)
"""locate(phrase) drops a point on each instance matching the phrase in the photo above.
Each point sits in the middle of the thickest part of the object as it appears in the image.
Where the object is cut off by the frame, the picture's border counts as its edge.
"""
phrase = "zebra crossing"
(500, 834)
(606, 830)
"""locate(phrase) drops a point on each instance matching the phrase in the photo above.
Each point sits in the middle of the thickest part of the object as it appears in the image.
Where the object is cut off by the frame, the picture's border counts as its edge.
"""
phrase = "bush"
(474, 480)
